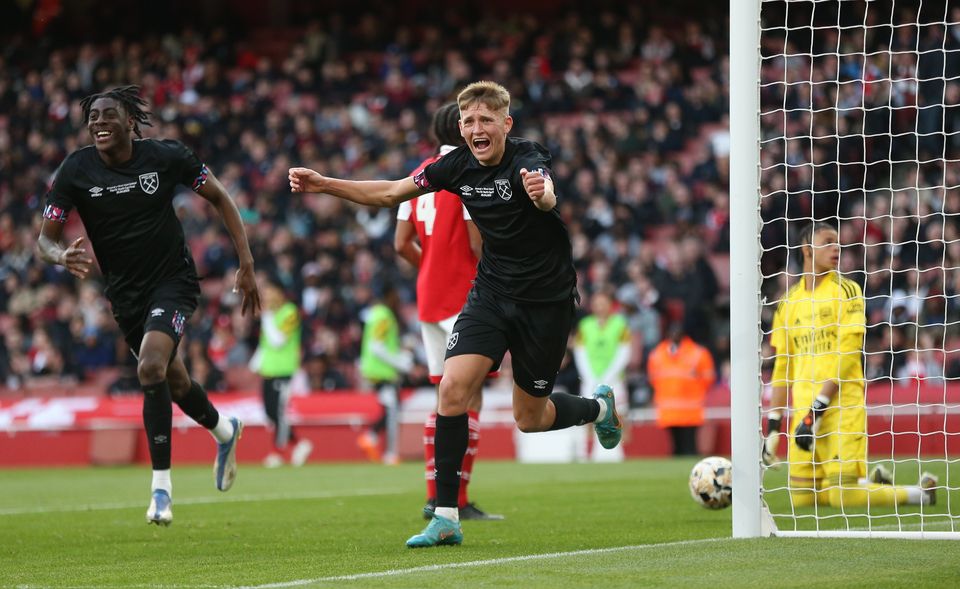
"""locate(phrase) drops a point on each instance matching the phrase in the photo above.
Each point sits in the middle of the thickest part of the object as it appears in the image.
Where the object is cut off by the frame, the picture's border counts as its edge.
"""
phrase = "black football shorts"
(167, 308)
(535, 333)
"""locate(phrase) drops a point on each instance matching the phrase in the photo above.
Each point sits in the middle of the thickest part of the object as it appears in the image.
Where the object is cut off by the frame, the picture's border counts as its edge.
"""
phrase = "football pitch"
(571, 525)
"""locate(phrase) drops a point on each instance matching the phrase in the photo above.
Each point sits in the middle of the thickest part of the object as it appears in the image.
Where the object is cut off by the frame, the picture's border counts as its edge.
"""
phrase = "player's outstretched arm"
(376, 193)
(73, 257)
(246, 283)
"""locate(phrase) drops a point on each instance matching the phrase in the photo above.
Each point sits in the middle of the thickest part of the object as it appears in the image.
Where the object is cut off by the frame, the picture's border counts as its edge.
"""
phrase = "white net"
(860, 127)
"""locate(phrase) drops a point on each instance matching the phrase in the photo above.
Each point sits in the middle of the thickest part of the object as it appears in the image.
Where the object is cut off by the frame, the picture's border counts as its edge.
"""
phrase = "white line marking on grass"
(475, 563)
(198, 501)
(398, 572)
(937, 524)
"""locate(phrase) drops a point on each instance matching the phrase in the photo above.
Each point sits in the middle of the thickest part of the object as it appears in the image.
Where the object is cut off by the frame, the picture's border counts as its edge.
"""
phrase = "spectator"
(234, 100)
(318, 375)
(203, 370)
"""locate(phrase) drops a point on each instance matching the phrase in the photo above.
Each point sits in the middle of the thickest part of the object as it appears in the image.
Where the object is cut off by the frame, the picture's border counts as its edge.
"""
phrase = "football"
(711, 482)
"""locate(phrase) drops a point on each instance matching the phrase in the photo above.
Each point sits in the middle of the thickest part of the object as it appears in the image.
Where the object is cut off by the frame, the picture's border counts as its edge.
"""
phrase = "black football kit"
(127, 211)
(523, 298)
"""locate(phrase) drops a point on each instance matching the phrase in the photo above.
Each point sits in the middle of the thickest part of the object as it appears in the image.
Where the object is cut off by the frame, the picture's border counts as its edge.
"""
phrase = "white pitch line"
(197, 501)
(937, 524)
(421, 569)
(474, 563)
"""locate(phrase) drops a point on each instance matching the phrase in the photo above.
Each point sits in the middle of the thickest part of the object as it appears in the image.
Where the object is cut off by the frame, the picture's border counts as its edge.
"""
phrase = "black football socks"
(573, 410)
(451, 444)
(198, 407)
(158, 423)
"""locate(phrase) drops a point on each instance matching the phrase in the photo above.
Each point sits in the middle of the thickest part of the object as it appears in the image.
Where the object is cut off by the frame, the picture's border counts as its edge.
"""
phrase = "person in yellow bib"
(818, 333)
(601, 352)
(383, 362)
(277, 359)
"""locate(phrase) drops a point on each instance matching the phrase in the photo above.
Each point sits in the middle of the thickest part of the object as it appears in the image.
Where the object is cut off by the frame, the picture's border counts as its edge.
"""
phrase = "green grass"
(943, 516)
(628, 525)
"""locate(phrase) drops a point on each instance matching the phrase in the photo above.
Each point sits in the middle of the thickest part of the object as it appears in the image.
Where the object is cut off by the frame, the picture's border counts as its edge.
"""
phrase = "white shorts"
(435, 337)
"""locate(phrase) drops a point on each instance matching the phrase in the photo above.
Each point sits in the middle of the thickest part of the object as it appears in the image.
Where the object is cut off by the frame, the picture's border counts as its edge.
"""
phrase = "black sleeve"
(189, 170)
(439, 174)
(60, 196)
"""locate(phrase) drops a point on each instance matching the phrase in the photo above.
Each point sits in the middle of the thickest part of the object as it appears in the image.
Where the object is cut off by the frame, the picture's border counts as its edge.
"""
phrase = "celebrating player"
(524, 295)
(436, 235)
(818, 334)
(123, 190)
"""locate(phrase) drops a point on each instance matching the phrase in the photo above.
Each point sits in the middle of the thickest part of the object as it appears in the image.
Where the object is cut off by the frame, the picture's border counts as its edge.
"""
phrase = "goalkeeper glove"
(772, 441)
(807, 428)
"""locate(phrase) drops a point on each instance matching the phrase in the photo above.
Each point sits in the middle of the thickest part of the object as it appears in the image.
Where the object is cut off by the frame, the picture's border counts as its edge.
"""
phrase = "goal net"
(857, 124)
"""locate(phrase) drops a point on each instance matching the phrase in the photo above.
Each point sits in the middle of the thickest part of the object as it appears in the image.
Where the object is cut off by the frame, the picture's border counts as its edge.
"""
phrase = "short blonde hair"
(495, 96)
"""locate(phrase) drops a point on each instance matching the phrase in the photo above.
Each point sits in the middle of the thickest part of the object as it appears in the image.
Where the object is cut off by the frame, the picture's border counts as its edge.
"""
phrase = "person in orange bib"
(681, 372)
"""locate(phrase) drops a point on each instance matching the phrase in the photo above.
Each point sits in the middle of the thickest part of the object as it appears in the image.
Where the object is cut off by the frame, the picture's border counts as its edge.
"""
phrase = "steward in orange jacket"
(681, 372)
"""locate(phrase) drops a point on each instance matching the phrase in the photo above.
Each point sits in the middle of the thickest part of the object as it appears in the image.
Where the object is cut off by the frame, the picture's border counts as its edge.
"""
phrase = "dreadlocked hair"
(129, 98)
(445, 125)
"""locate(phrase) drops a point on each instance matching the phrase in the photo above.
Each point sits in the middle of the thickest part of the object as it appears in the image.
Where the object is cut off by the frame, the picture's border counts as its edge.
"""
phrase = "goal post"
(848, 112)
(745, 265)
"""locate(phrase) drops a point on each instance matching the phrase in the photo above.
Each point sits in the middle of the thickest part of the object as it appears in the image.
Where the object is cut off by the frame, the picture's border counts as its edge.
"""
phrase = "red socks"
(429, 432)
(467, 469)
(473, 442)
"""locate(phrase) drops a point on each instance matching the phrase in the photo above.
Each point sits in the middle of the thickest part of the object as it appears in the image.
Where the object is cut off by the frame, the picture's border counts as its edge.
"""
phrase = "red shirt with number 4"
(447, 264)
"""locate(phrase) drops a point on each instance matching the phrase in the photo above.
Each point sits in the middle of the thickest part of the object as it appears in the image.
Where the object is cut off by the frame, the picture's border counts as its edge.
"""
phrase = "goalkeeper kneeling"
(827, 461)
(818, 332)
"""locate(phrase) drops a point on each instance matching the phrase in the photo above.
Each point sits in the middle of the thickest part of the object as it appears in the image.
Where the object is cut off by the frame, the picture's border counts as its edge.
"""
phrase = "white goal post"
(848, 112)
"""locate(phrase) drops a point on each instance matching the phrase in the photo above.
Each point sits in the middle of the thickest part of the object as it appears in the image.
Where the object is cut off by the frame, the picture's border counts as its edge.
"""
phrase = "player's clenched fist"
(535, 183)
(304, 180)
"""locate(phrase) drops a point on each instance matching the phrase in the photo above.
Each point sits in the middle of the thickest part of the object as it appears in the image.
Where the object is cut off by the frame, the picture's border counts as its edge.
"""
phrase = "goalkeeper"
(818, 332)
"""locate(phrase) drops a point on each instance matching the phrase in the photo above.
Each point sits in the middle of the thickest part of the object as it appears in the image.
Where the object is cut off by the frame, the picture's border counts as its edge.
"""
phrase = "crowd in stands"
(622, 101)
(873, 143)
(631, 101)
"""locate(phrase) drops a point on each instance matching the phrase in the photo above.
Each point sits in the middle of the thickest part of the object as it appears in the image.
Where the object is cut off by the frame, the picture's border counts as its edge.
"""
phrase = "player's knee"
(527, 425)
(151, 370)
(527, 421)
(454, 396)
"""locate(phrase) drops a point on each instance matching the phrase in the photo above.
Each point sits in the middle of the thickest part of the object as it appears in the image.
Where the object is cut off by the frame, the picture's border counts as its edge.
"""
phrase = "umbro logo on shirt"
(487, 191)
(156, 312)
(540, 384)
(95, 192)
